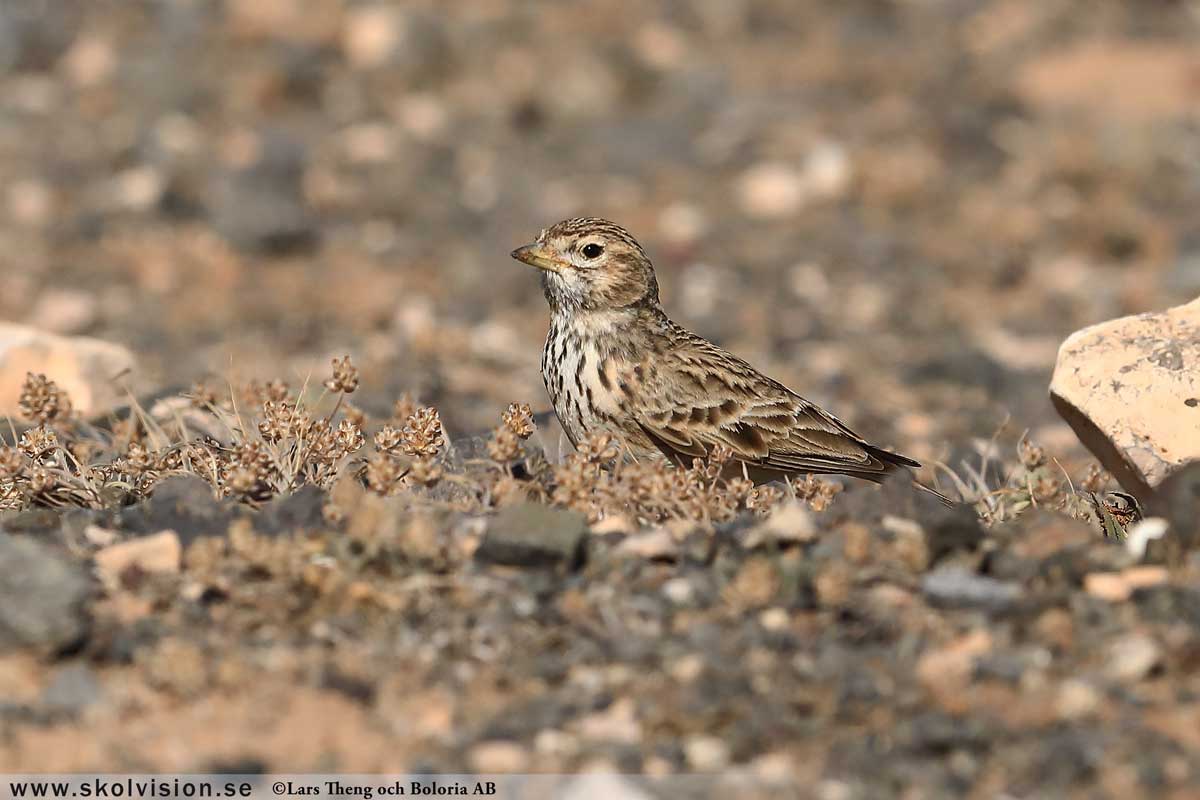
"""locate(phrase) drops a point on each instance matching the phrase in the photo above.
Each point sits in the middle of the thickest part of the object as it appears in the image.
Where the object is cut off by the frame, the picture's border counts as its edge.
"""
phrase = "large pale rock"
(85, 368)
(1130, 388)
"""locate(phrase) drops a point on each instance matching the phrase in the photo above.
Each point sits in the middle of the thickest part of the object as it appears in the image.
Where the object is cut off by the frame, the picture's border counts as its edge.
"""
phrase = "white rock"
(89, 370)
(1130, 388)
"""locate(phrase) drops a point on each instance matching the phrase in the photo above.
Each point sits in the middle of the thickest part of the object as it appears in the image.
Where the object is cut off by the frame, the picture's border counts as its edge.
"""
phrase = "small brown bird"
(615, 363)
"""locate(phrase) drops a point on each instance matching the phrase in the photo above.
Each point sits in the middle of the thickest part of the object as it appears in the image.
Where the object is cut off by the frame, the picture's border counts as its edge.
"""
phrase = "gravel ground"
(898, 208)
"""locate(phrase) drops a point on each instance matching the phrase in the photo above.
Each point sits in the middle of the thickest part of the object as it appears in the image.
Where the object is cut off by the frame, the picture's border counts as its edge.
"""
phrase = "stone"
(65, 311)
(498, 757)
(534, 535)
(955, 587)
(43, 597)
(33, 35)
(603, 785)
(770, 191)
(949, 530)
(160, 553)
(259, 206)
(790, 522)
(706, 753)
(184, 504)
(1132, 657)
(72, 689)
(1130, 388)
(1129, 80)
(777, 189)
(92, 372)
(617, 723)
(1118, 586)
(617, 523)
(370, 34)
(1076, 699)
(950, 667)
(301, 510)
(654, 544)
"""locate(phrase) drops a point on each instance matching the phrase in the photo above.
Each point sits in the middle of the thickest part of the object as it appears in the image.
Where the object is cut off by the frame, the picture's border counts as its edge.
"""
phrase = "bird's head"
(591, 264)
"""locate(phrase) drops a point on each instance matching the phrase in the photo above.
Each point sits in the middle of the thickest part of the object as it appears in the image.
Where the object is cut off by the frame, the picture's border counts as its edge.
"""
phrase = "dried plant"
(260, 440)
(41, 401)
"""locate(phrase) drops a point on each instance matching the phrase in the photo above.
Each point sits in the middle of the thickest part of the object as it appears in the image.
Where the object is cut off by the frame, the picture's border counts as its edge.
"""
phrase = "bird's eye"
(592, 250)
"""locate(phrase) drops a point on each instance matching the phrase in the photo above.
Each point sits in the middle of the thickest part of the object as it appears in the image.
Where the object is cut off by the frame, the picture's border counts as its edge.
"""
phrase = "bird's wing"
(697, 396)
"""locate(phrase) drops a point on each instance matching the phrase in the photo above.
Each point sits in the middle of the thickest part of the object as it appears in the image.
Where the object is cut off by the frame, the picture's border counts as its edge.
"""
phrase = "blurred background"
(898, 207)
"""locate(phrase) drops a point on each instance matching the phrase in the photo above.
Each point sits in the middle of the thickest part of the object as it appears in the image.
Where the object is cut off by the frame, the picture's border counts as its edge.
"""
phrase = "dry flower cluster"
(1035, 481)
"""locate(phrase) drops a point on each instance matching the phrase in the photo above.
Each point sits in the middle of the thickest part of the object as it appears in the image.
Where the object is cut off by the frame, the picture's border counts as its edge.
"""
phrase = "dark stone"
(261, 208)
(1065, 758)
(900, 498)
(299, 511)
(43, 597)
(533, 535)
(33, 36)
(955, 587)
(961, 364)
(244, 765)
(935, 733)
(38, 523)
(357, 689)
(184, 504)
(72, 689)
(119, 644)
(948, 530)
(1169, 604)
(1007, 667)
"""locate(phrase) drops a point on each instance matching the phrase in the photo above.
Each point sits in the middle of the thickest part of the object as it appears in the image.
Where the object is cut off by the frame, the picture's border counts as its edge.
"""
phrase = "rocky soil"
(900, 209)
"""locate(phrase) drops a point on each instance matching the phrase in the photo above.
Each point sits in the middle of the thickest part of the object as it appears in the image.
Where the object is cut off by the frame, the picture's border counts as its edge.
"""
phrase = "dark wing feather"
(707, 397)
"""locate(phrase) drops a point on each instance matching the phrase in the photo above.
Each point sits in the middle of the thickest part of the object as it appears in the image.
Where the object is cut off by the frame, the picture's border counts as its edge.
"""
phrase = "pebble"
(160, 553)
(370, 35)
(1118, 586)
(1076, 699)
(532, 535)
(617, 723)
(1132, 657)
(656, 543)
(770, 191)
(497, 756)
(64, 311)
(602, 786)
(706, 753)
(42, 597)
(774, 619)
(958, 587)
(679, 591)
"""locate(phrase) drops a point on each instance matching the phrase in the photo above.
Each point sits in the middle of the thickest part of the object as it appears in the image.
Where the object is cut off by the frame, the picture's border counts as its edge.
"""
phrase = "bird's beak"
(535, 255)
